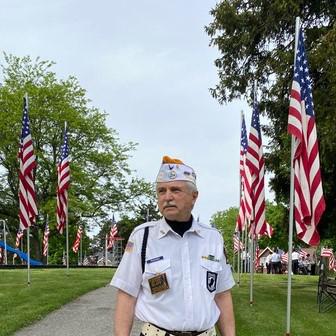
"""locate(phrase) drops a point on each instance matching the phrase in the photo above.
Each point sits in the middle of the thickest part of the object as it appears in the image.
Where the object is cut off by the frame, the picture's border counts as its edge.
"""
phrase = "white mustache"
(168, 205)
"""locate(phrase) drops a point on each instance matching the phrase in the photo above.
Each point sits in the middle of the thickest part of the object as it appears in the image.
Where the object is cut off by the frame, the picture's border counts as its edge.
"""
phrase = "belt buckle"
(187, 333)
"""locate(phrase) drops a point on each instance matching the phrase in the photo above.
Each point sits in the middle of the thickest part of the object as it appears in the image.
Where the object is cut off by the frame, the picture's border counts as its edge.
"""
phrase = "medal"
(158, 283)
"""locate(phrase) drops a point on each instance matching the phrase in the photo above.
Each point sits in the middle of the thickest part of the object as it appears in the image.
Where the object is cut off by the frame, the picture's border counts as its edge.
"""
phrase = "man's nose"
(168, 195)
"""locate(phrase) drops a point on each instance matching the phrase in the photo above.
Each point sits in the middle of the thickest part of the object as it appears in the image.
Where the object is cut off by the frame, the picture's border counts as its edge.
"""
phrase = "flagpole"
(242, 246)
(240, 195)
(48, 240)
(67, 223)
(81, 249)
(234, 259)
(252, 228)
(106, 250)
(28, 254)
(28, 228)
(246, 248)
(251, 269)
(291, 208)
(4, 234)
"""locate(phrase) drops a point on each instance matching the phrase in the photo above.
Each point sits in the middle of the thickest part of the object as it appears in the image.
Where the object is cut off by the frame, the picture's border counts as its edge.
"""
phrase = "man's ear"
(194, 196)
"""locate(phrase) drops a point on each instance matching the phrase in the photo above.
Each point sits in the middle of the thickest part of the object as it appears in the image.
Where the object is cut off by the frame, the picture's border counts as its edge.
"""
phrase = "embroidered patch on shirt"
(210, 257)
(211, 281)
(129, 247)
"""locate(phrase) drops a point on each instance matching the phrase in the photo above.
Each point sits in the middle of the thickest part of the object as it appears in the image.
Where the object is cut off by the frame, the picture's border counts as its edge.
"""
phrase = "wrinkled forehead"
(171, 184)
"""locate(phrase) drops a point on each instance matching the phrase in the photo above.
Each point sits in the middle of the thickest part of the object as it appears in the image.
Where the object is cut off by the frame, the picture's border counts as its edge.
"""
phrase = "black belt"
(180, 333)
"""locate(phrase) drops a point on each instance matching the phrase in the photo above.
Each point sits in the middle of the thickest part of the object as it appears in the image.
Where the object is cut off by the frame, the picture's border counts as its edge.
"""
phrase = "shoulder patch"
(129, 247)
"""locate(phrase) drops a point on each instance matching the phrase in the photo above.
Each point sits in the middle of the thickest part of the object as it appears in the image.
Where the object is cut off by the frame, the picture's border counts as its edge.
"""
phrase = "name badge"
(158, 283)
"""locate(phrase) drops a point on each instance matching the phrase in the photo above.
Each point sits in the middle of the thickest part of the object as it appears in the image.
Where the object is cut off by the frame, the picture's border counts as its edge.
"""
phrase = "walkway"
(89, 315)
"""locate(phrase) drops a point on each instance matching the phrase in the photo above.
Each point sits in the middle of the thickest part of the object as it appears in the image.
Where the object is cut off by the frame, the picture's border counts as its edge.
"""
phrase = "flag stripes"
(328, 252)
(256, 164)
(308, 198)
(46, 240)
(113, 234)
(63, 174)
(27, 164)
(19, 236)
(237, 244)
(78, 239)
(245, 178)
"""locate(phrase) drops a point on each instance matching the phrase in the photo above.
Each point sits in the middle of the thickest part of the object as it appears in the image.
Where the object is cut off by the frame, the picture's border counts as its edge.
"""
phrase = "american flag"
(257, 256)
(19, 236)
(308, 199)
(268, 232)
(63, 174)
(113, 234)
(256, 164)
(237, 244)
(284, 257)
(46, 240)
(27, 162)
(245, 178)
(328, 252)
(302, 253)
(78, 239)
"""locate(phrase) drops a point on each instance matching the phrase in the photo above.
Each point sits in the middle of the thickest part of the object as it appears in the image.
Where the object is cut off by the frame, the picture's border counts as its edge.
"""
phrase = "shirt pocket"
(210, 275)
(155, 268)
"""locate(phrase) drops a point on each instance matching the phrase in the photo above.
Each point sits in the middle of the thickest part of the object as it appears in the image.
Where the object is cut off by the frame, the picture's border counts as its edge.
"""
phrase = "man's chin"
(170, 214)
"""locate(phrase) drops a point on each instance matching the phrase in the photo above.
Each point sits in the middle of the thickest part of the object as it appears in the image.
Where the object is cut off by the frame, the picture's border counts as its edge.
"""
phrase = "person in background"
(276, 262)
(269, 263)
(295, 261)
(174, 275)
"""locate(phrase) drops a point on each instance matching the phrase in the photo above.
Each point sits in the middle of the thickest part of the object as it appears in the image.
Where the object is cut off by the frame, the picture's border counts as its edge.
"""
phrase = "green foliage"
(276, 216)
(142, 213)
(101, 180)
(225, 222)
(255, 39)
(49, 290)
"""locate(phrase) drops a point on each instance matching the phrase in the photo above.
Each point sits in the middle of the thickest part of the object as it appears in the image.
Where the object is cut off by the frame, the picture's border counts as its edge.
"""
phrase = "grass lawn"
(20, 305)
(267, 316)
(50, 289)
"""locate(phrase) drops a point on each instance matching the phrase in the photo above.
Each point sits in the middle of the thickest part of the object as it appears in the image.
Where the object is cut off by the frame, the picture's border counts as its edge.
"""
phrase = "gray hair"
(191, 186)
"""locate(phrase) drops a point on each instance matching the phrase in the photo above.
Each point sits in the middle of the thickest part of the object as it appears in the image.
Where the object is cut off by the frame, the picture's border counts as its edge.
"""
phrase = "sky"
(149, 66)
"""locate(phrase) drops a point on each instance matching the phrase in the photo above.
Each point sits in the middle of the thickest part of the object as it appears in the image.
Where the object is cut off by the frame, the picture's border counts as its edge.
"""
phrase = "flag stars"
(301, 75)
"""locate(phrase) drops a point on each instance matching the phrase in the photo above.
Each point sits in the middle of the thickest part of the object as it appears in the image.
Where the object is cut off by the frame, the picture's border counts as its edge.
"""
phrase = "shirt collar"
(164, 228)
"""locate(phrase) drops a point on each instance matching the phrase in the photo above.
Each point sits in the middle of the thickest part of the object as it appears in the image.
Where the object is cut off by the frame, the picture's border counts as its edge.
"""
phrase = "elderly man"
(173, 275)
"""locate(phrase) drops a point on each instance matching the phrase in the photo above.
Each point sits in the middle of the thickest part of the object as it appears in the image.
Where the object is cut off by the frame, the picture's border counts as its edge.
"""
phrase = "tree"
(256, 42)
(147, 211)
(276, 215)
(101, 180)
(225, 222)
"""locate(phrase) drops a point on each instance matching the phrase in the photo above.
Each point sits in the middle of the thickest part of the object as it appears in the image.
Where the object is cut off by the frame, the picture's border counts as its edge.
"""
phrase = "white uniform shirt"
(295, 255)
(192, 263)
(276, 257)
(269, 258)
